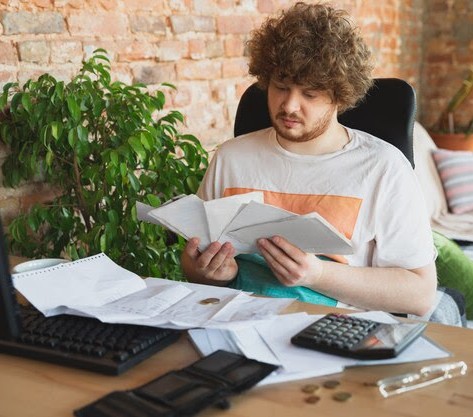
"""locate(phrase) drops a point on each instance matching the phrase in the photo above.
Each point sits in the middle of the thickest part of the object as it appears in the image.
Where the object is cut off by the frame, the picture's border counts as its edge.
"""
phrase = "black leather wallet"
(208, 381)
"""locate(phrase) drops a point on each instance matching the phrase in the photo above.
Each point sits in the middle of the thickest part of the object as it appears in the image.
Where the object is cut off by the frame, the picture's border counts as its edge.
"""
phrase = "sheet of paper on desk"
(96, 279)
(188, 312)
(241, 220)
(245, 341)
(299, 363)
(140, 305)
(97, 287)
(295, 364)
(234, 307)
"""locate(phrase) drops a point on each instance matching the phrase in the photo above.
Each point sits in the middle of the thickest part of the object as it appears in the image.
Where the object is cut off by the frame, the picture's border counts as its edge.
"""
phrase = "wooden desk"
(34, 389)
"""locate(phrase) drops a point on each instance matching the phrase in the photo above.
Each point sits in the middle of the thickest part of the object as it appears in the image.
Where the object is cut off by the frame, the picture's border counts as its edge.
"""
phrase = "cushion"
(454, 269)
(456, 173)
(427, 173)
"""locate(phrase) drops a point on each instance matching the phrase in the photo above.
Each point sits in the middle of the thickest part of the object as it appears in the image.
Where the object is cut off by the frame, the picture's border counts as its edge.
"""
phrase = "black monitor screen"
(9, 320)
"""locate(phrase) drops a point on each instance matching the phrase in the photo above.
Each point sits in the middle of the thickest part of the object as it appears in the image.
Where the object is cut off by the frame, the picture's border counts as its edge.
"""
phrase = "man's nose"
(291, 102)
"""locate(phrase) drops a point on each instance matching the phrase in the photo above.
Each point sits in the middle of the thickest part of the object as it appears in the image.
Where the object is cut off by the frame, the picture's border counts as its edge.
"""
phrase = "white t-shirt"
(367, 190)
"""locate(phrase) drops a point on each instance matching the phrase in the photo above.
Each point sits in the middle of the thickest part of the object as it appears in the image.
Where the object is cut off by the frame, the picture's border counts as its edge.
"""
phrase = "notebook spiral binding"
(61, 266)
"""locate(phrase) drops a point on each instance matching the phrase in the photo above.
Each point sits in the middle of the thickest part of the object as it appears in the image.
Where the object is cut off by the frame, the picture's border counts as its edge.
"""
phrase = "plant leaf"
(56, 129)
(26, 102)
(74, 108)
(135, 143)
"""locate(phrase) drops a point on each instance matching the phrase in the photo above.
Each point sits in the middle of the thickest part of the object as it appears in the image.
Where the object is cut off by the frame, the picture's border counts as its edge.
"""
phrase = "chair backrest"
(388, 111)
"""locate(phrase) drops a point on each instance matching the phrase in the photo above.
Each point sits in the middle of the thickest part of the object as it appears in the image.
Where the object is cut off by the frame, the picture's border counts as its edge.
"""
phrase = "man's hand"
(216, 265)
(290, 265)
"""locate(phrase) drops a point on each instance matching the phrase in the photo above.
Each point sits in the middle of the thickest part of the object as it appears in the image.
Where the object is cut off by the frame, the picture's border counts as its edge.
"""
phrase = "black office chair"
(388, 112)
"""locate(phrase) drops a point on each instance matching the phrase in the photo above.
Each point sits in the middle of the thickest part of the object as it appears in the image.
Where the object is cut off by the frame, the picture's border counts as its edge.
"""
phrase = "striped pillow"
(455, 169)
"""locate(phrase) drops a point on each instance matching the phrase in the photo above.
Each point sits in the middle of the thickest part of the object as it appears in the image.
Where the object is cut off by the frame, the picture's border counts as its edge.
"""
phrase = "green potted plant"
(446, 132)
(101, 146)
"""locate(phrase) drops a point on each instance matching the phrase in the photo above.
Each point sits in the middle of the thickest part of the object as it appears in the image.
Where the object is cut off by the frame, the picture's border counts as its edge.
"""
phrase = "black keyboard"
(86, 343)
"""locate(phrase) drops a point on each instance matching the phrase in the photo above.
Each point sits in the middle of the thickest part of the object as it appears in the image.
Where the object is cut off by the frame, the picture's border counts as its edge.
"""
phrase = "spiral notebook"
(79, 342)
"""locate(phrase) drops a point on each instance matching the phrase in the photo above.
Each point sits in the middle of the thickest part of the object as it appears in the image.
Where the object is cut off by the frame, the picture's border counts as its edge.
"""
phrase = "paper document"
(96, 280)
(97, 287)
(272, 339)
(241, 220)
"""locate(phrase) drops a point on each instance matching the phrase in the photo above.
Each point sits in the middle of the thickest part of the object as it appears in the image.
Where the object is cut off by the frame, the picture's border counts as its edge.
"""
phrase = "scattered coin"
(331, 384)
(310, 388)
(341, 396)
(210, 301)
(312, 399)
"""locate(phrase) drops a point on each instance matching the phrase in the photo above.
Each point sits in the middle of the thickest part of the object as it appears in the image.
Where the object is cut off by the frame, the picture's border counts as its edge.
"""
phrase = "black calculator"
(345, 335)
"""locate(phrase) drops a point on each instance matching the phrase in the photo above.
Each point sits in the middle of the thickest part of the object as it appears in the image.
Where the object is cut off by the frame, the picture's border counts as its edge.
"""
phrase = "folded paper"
(243, 219)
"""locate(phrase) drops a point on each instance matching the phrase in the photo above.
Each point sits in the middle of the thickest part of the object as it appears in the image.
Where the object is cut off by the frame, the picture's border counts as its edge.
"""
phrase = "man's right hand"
(216, 265)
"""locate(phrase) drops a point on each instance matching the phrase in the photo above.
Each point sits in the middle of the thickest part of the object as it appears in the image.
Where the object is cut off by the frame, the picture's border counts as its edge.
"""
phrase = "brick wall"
(448, 53)
(199, 45)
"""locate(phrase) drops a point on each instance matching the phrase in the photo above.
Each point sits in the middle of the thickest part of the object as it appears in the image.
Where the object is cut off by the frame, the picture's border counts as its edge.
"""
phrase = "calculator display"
(388, 336)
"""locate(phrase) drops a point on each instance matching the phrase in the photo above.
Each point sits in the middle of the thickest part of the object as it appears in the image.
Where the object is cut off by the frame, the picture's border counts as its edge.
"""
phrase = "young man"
(314, 65)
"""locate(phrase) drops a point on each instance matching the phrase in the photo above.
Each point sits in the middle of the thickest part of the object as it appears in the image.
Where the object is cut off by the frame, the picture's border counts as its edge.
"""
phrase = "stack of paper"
(241, 220)
(269, 341)
(97, 287)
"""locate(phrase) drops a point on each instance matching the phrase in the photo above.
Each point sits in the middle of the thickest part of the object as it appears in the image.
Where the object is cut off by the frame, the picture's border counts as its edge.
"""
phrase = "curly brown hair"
(316, 45)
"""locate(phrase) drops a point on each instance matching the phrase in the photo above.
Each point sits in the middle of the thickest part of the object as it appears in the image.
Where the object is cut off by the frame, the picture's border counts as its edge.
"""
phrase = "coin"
(310, 388)
(209, 301)
(341, 396)
(331, 384)
(312, 399)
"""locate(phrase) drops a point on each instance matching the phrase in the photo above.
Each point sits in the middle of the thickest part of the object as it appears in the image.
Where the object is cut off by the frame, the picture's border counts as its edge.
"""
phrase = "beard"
(314, 132)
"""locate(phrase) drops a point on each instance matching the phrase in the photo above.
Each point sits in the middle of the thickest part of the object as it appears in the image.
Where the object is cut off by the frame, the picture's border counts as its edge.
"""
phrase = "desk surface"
(34, 389)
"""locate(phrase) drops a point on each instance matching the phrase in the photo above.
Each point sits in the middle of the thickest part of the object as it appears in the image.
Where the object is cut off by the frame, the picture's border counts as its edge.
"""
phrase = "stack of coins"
(311, 389)
(340, 396)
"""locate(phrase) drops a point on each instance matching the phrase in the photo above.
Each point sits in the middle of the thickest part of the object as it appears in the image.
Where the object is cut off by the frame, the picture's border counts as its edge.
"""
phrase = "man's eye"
(310, 95)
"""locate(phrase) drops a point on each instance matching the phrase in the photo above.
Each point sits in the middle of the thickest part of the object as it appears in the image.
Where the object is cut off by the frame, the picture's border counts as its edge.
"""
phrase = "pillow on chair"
(453, 225)
(427, 173)
(456, 172)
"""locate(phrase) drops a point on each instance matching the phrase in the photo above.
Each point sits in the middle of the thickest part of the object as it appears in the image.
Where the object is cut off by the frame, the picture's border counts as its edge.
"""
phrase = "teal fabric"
(255, 276)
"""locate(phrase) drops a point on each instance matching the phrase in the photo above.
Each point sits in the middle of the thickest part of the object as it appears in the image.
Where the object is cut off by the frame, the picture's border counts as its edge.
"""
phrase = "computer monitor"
(9, 312)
